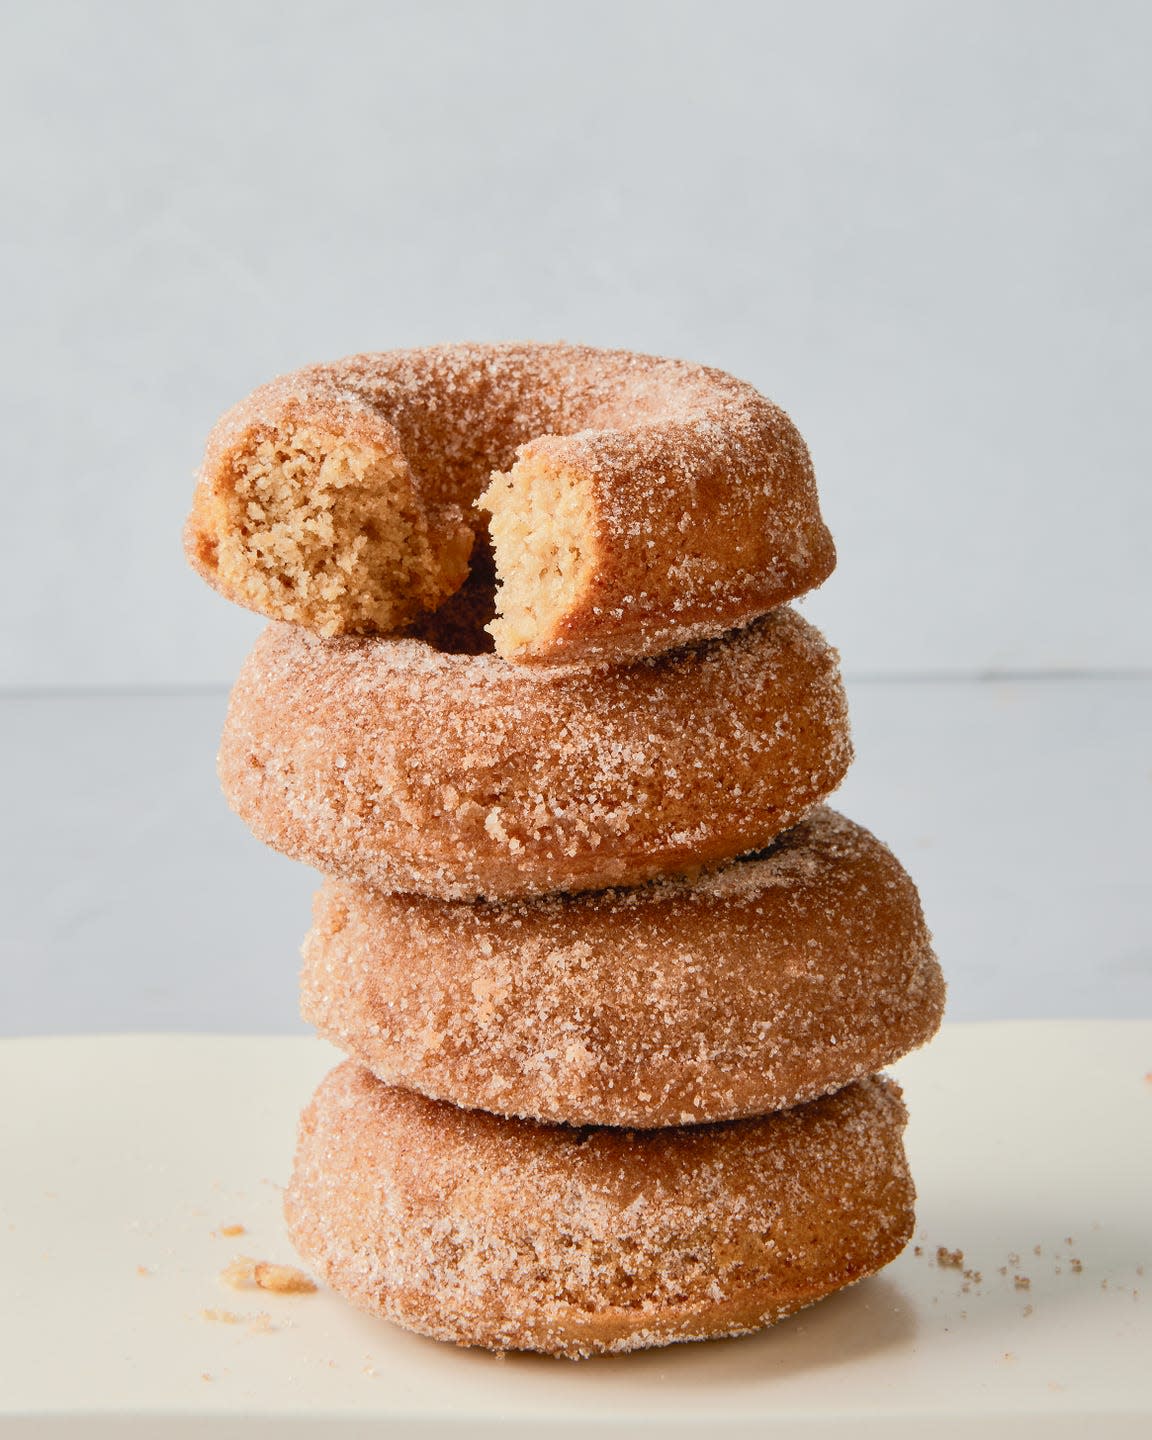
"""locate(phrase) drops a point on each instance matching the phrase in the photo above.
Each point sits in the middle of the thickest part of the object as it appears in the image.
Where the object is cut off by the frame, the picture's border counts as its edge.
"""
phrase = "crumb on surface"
(231, 1231)
(222, 1317)
(1077, 1265)
(949, 1259)
(240, 1273)
(283, 1279)
(143, 1270)
(245, 1273)
(1022, 1282)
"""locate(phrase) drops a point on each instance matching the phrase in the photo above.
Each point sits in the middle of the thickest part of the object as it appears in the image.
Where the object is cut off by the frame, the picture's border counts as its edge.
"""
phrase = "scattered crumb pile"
(1062, 1263)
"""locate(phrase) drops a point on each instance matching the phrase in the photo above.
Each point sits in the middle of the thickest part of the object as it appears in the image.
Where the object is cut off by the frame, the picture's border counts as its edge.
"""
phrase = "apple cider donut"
(636, 503)
(513, 1235)
(460, 775)
(775, 980)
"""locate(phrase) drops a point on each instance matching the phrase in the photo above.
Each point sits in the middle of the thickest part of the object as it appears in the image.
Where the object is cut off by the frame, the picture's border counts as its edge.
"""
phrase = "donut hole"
(318, 530)
(460, 625)
(542, 526)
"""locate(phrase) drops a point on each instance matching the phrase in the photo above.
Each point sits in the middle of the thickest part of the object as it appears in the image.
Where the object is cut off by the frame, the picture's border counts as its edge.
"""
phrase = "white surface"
(135, 900)
(132, 1152)
(923, 228)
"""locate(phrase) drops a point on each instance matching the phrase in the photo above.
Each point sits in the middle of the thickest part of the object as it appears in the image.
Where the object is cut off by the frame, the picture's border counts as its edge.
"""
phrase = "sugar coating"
(693, 502)
(463, 775)
(773, 981)
(512, 1235)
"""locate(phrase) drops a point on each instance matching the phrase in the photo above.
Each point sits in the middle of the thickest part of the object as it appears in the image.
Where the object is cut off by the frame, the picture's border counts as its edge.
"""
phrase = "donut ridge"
(408, 768)
(754, 988)
(512, 1235)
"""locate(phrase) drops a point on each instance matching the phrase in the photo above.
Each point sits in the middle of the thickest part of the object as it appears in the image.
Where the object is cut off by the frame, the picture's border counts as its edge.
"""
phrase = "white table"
(122, 1159)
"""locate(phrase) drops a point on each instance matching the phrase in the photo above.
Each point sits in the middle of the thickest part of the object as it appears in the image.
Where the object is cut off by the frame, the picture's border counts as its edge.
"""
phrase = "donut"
(775, 980)
(455, 775)
(636, 504)
(513, 1235)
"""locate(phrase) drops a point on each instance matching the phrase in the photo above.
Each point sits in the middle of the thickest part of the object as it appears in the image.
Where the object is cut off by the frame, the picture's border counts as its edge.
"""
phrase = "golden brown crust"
(704, 511)
(458, 776)
(512, 1235)
(768, 983)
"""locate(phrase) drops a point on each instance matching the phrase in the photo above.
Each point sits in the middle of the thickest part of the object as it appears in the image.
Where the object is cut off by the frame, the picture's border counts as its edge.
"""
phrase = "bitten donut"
(635, 503)
(770, 982)
(455, 775)
(518, 1236)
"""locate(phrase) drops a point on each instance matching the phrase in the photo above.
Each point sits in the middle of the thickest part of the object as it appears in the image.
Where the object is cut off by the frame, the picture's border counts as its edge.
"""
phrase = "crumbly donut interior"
(541, 523)
(318, 530)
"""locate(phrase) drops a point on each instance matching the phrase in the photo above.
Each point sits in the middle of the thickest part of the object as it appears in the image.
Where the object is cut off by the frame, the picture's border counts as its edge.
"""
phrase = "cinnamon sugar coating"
(637, 503)
(768, 983)
(512, 1235)
(458, 776)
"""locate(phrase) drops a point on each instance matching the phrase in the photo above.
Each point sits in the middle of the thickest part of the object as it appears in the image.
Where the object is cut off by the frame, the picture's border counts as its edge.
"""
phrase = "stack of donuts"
(613, 982)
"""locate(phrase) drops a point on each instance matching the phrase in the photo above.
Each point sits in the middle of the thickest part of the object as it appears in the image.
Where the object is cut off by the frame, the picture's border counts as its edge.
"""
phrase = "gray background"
(924, 228)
